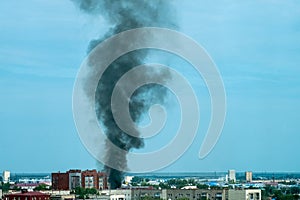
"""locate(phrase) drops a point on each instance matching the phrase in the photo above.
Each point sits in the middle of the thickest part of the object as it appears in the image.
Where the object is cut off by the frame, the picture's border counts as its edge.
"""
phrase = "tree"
(202, 186)
(5, 187)
(83, 193)
(16, 188)
(136, 180)
(42, 187)
(80, 192)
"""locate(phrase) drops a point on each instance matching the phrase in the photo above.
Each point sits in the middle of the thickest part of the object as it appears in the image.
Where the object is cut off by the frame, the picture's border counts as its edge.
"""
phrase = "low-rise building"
(195, 194)
(174, 194)
(247, 194)
(165, 194)
(24, 195)
(27, 186)
(132, 194)
(63, 197)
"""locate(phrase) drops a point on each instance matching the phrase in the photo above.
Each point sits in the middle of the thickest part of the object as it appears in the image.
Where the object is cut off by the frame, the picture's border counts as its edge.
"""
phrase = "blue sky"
(255, 44)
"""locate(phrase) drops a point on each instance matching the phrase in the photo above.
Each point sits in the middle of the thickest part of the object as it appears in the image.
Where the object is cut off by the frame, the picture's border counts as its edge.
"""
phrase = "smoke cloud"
(124, 15)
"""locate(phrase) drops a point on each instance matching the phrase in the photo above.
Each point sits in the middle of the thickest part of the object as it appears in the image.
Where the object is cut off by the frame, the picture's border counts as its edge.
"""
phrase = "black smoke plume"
(124, 15)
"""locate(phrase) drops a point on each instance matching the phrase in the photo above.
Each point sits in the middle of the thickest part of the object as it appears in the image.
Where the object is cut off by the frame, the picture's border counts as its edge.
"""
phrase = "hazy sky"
(255, 44)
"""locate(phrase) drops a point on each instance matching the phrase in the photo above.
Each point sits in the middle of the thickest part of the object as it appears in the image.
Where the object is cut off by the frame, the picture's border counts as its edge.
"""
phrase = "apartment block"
(76, 178)
(247, 194)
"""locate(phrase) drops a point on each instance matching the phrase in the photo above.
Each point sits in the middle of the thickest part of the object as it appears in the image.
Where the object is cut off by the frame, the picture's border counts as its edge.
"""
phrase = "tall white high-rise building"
(231, 176)
(6, 176)
(248, 176)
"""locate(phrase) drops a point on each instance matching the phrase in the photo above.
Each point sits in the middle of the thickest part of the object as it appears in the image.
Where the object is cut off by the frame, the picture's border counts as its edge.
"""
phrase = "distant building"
(6, 176)
(248, 176)
(24, 195)
(128, 179)
(247, 194)
(231, 176)
(77, 178)
(27, 186)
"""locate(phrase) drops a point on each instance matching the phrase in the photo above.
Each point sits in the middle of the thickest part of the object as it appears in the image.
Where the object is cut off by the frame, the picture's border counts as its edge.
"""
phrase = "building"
(6, 176)
(77, 178)
(27, 186)
(63, 197)
(131, 194)
(94, 179)
(231, 176)
(248, 176)
(174, 194)
(196, 194)
(102, 181)
(165, 194)
(247, 194)
(60, 181)
(89, 179)
(74, 179)
(25, 195)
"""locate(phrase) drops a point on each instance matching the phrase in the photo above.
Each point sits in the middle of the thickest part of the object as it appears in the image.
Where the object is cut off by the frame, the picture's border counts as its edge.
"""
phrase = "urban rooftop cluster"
(93, 184)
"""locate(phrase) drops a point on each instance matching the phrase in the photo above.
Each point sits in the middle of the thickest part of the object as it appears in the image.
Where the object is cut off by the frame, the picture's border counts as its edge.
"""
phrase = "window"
(251, 196)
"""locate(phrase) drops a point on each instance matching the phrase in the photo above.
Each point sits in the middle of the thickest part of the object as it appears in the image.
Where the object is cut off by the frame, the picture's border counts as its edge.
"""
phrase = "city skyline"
(255, 46)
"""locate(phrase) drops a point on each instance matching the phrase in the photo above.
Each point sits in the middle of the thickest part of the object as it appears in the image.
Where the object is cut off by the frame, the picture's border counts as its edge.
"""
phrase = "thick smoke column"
(124, 15)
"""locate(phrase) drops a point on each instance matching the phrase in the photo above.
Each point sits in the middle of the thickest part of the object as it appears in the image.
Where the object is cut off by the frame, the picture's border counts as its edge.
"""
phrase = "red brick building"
(60, 181)
(24, 195)
(77, 178)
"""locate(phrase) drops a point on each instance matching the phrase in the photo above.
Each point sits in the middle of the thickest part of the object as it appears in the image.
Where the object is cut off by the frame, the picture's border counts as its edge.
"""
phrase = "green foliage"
(83, 193)
(179, 183)
(202, 186)
(5, 187)
(137, 179)
(215, 187)
(41, 187)
(16, 188)
(164, 186)
(280, 196)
